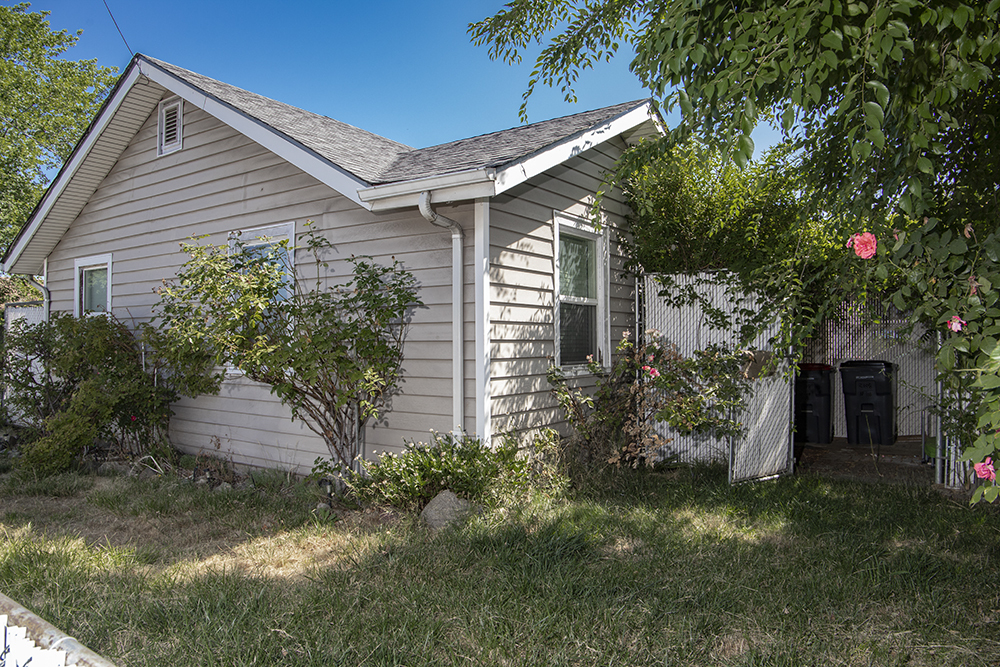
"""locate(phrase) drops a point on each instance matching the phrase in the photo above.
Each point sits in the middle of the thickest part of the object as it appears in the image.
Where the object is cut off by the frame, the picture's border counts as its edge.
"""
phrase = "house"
(482, 223)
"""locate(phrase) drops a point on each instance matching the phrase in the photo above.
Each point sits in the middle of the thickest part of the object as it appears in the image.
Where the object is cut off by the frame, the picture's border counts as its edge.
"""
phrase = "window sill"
(579, 370)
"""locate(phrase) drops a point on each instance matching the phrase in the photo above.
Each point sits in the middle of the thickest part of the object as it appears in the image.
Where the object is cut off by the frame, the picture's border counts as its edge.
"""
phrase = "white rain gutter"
(457, 307)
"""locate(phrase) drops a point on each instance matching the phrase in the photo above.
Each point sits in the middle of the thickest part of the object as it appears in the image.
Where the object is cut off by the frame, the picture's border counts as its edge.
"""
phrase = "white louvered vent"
(170, 128)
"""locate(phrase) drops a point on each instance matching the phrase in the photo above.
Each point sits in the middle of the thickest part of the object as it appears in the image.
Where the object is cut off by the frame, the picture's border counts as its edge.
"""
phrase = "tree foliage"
(76, 381)
(695, 211)
(874, 91)
(46, 103)
(332, 353)
(892, 105)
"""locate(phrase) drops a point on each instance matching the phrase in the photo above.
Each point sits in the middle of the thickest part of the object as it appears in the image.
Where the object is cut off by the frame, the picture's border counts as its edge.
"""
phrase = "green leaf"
(788, 118)
(881, 92)
(833, 40)
(874, 114)
(813, 90)
(925, 165)
(960, 17)
(988, 381)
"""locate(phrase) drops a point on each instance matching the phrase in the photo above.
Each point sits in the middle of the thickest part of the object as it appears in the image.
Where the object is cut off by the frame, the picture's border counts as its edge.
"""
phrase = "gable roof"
(495, 149)
(360, 152)
(374, 172)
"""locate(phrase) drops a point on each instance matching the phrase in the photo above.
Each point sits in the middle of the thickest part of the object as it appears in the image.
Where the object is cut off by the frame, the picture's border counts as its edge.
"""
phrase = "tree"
(891, 103)
(46, 104)
(696, 213)
(869, 90)
(333, 354)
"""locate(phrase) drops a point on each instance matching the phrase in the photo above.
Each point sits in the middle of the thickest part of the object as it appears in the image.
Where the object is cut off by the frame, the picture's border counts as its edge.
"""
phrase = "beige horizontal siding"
(220, 182)
(522, 282)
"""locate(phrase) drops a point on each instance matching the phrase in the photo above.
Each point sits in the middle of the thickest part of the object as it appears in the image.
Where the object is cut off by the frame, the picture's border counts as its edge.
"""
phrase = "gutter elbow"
(424, 205)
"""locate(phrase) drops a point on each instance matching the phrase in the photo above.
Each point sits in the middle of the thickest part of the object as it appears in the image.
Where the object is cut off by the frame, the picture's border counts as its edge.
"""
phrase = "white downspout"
(46, 297)
(457, 308)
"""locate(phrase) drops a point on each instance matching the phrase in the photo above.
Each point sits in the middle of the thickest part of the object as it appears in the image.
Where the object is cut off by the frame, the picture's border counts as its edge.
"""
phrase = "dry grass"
(650, 570)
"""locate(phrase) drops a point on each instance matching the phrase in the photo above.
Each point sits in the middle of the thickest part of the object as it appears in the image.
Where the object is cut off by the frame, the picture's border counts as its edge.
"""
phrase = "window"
(92, 285)
(170, 126)
(257, 243)
(581, 278)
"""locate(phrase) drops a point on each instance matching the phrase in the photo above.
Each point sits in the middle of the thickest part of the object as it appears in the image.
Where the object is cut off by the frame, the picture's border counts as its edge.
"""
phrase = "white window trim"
(161, 147)
(94, 261)
(581, 228)
(273, 233)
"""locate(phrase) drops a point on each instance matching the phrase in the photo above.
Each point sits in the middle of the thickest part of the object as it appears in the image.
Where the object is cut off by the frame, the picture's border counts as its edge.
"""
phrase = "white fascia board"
(441, 196)
(69, 170)
(472, 184)
(323, 170)
(518, 172)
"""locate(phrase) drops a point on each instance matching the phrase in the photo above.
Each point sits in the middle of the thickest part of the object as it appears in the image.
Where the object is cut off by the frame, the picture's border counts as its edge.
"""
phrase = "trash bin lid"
(865, 364)
(815, 367)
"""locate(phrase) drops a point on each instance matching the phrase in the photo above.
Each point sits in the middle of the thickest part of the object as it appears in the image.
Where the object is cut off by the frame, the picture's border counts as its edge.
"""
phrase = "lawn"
(654, 569)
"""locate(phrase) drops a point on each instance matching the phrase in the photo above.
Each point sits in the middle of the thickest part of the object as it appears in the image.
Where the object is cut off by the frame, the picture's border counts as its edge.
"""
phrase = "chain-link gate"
(870, 331)
(765, 449)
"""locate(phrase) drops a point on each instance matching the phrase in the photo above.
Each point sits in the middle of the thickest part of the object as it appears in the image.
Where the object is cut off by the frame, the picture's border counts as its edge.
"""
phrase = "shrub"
(646, 384)
(75, 381)
(463, 465)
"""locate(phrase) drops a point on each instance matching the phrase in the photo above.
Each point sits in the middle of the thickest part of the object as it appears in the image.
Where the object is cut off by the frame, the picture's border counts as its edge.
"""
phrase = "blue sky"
(404, 70)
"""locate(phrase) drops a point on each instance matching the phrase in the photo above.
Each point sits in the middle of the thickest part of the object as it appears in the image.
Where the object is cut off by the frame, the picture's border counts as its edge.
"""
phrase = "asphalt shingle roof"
(362, 153)
(377, 160)
(497, 148)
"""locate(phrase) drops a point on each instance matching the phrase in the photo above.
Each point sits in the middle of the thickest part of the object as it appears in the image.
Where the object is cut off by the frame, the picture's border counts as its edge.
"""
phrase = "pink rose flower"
(956, 323)
(865, 245)
(985, 470)
(653, 373)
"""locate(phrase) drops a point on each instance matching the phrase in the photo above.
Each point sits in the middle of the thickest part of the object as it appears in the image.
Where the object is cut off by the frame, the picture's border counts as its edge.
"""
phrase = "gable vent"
(170, 126)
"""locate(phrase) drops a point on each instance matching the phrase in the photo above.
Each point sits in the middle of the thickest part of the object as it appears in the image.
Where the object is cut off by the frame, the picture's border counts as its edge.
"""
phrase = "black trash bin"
(869, 401)
(813, 399)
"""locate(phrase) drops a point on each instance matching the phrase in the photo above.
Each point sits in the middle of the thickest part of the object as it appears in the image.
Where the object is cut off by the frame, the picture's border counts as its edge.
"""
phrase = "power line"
(131, 52)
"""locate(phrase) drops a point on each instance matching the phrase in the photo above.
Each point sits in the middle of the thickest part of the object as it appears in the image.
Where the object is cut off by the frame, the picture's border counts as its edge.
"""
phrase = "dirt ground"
(902, 462)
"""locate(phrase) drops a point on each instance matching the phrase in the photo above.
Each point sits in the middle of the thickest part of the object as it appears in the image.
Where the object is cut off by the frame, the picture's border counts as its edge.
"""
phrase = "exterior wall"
(522, 298)
(220, 182)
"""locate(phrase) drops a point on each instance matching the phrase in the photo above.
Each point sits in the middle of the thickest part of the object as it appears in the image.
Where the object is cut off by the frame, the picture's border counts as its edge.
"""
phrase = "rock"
(445, 509)
(224, 486)
(113, 469)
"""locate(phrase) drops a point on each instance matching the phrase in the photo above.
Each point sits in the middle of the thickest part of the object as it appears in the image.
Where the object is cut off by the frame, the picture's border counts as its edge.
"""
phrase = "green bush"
(76, 382)
(463, 465)
(648, 383)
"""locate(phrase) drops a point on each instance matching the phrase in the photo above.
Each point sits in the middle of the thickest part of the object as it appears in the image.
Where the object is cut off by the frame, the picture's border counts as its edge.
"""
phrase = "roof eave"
(458, 186)
(632, 125)
(12, 261)
(638, 122)
(347, 184)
